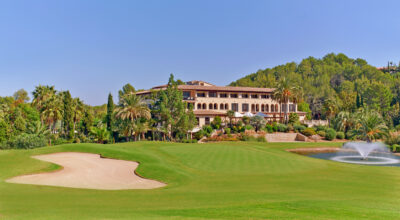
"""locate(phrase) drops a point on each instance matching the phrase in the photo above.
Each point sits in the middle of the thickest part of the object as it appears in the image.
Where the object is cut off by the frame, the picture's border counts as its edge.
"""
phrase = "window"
(226, 107)
(234, 95)
(245, 96)
(186, 94)
(262, 108)
(215, 106)
(198, 121)
(204, 106)
(207, 120)
(198, 106)
(201, 94)
(235, 107)
(212, 94)
(223, 95)
(245, 107)
(272, 108)
(267, 108)
(257, 108)
(254, 96)
(210, 106)
(292, 108)
(253, 108)
(221, 106)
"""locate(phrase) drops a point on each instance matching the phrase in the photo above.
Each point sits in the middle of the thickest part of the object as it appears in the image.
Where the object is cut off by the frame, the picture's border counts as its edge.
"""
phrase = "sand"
(88, 171)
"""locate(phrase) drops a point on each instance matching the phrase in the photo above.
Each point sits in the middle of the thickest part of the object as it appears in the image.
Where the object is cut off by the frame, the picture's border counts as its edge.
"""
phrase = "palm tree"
(141, 128)
(41, 95)
(230, 114)
(38, 129)
(100, 134)
(344, 121)
(78, 109)
(130, 109)
(331, 108)
(370, 126)
(52, 111)
(283, 93)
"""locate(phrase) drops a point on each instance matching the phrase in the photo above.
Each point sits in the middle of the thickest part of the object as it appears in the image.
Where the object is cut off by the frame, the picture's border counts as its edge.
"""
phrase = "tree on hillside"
(21, 95)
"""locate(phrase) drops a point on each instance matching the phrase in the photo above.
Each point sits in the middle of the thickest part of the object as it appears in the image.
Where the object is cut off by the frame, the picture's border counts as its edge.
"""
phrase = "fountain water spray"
(365, 153)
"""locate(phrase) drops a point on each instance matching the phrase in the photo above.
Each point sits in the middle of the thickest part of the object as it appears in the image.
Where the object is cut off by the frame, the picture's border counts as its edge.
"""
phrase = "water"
(362, 153)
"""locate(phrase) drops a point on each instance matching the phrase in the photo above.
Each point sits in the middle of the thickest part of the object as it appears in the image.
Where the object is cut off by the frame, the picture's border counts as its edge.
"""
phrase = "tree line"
(55, 117)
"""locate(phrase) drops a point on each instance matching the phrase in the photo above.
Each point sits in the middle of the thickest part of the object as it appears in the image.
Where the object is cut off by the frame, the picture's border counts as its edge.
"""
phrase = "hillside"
(346, 82)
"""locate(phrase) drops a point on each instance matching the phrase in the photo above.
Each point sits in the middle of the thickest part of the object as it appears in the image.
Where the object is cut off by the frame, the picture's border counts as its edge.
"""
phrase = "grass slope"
(228, 180)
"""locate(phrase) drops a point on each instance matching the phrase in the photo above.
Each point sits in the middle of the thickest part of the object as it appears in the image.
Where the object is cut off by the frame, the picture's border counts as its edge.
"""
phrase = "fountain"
(365, 153)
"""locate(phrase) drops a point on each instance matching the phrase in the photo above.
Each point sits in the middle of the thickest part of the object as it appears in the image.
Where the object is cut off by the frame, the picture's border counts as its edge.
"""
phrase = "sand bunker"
(89, 171)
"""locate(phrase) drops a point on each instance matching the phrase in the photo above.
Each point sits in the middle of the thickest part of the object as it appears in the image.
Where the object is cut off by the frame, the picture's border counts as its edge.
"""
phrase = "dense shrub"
(216, 123)
(298, 128)
(227, 131)
(397, 127)
(350, 135)
(268, 128)
(330, 134)
(290, 127)
(188, 141)
(321, 133)
(282, 127)
(293, 118)
(248, 127)
(392, 139)
(207, 130)
(340, 135)
(274, 127)
(28, 141)
(308, 132)
(320, 128)
(198, 135)
(395, 147)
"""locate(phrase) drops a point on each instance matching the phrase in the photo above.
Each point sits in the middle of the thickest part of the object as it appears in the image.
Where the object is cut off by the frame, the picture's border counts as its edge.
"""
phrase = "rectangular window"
(235, 107)
(245, 96)
(245, 107)
(186, 94)
(198, 121)
(223, 95)
(201, 94)
(207, 119)
(292, 107)
(234, 95)
(265, 96)
(254, 96)
(212, 94)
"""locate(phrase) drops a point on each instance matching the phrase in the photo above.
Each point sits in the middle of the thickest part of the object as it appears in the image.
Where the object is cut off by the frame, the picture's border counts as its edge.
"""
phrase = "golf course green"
(226, 180)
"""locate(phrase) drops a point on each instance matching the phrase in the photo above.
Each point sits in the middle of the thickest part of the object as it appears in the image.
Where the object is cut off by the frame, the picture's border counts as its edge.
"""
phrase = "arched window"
(226, 106)
(272, 108)
(253, 108)
(215, 106)
(276, 108)
(257, 108)
(221, 106)
(266, 108)
(204, 106)
(198, 106)
(262, 108)
(210, 106)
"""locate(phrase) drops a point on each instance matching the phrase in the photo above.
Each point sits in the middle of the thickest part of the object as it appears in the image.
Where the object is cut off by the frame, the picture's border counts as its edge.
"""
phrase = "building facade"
(209, 101)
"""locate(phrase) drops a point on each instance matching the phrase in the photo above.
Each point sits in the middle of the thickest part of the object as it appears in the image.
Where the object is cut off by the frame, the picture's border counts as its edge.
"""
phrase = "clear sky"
(95, 47)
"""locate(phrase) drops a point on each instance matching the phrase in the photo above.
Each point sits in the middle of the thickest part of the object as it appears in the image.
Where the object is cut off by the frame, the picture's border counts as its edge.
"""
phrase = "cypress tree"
(68, 117)
(110, 110)
(358, 102)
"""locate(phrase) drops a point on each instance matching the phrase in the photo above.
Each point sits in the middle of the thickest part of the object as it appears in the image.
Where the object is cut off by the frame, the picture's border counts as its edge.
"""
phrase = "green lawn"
(228, 180)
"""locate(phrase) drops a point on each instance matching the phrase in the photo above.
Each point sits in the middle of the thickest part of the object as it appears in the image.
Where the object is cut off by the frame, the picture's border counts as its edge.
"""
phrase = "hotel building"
(209, 101)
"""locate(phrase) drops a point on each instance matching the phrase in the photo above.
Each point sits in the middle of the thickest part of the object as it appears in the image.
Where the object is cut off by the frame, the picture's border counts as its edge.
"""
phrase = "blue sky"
(95, 47)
